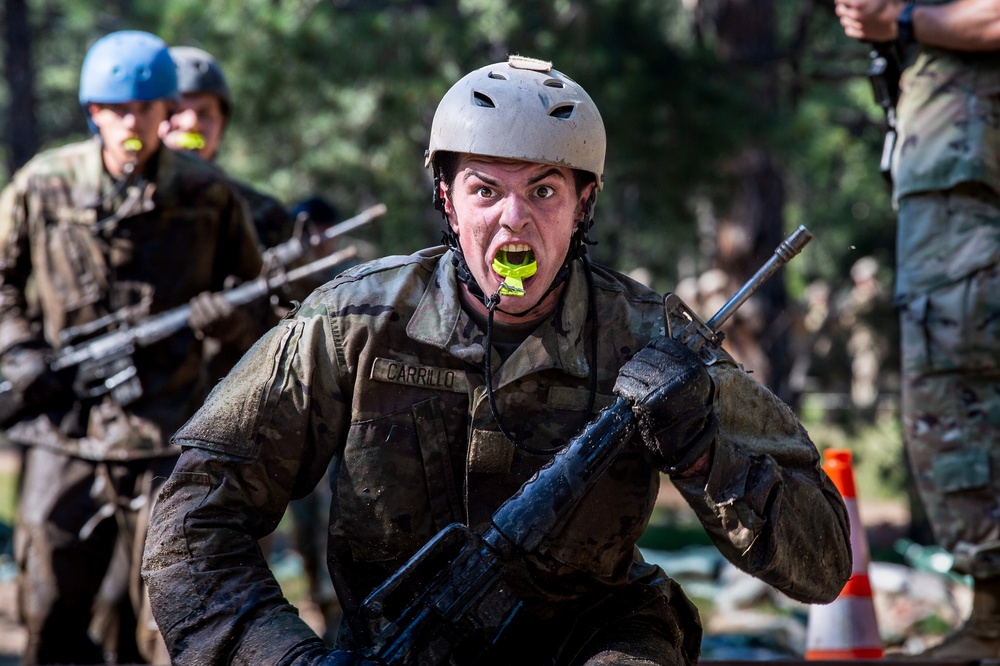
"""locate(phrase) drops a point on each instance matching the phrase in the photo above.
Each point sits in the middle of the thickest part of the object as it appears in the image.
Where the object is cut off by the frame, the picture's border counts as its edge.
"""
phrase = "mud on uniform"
(380, 372)
(947, 188)
(72, 249)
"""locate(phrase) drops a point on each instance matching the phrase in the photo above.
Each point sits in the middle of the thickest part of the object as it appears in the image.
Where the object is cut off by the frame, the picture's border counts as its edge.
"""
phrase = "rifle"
(278, 256)
(104, 364)
(884, 72)
(287, 252)
(451, 601)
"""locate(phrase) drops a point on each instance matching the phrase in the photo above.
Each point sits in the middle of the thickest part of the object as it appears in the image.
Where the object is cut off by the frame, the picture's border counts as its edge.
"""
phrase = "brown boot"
(979, 637)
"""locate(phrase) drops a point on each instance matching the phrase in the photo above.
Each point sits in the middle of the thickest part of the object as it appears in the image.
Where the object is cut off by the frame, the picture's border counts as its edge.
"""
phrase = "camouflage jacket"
(73, 249)
(948, 119)
(379, 374)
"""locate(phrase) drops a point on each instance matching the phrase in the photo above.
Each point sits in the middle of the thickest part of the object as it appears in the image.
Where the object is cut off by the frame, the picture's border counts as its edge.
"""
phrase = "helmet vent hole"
(554, 83)
(497, 75)
(482, 99)
(563, 111)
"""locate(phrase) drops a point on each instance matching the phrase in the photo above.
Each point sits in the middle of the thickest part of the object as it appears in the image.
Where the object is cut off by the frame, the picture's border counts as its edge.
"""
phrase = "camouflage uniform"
(947, 188)
(73, 248)
(378, 375)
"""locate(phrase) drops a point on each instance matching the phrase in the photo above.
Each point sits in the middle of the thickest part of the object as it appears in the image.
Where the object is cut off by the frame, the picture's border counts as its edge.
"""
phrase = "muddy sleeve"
(257, 442)
(765, 500)
(15, 269)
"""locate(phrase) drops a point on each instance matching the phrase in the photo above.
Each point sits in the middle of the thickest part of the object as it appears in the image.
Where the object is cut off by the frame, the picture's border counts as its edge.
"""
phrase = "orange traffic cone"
(846, 628)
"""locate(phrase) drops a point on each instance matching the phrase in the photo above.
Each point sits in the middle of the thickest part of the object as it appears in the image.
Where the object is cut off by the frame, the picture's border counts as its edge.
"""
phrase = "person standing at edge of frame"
(946, 190)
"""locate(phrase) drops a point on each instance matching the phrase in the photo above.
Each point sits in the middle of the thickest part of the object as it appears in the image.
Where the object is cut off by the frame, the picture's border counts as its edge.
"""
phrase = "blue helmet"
(128, 66)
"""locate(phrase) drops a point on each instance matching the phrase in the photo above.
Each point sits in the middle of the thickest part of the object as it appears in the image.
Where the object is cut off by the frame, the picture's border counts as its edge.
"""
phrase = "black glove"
(214, 317)
(32, 383)
(671, 394)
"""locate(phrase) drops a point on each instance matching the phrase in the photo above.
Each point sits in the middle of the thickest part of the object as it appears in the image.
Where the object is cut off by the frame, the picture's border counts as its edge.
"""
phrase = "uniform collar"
(558, 342)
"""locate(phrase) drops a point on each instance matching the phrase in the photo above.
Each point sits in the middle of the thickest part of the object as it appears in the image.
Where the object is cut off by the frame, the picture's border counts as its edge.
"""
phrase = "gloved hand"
(33, 384)
(671, 394)
(214, 317)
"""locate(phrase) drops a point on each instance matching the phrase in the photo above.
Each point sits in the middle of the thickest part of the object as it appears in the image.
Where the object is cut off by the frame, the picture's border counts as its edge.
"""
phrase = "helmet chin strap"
(577, 250)
(516, 439)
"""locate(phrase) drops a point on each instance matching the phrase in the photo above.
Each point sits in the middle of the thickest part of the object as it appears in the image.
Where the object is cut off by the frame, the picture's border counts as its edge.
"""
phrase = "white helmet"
(521, 109)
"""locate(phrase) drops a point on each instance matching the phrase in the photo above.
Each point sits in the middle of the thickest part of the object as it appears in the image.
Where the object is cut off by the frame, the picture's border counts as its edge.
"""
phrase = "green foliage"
(876, 447)
(336, 98)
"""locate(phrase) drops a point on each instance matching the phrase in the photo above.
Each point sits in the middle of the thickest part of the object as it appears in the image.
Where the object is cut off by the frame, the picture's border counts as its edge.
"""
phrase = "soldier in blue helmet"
(116, 221)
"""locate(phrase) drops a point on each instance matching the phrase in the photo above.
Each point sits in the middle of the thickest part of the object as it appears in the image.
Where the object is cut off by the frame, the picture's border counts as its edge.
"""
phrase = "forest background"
(730, 123)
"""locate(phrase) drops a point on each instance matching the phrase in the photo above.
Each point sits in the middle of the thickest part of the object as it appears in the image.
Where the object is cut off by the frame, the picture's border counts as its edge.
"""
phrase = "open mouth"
(514, 263)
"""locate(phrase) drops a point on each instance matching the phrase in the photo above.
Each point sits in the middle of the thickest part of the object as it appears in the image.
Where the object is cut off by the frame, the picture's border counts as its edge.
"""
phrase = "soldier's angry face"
(510, 208)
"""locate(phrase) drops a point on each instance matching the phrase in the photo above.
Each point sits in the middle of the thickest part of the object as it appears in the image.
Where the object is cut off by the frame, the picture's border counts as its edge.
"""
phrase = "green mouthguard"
(133, 145)
(191, 141)
(512, 273)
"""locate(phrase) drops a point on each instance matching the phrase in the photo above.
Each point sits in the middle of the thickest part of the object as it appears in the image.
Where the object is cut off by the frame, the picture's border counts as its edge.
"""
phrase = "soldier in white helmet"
(434, 385)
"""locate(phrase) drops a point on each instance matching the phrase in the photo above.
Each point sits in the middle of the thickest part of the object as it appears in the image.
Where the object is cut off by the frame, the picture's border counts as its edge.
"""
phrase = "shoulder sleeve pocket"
(229, 420)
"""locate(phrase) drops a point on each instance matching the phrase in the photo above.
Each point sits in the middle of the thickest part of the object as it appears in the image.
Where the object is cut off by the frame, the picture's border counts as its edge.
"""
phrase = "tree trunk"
(21, 128)
(747, 233)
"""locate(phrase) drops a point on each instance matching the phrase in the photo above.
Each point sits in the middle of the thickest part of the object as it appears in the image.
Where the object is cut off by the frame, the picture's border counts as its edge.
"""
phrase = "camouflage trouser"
(950, 330)
(78, 540)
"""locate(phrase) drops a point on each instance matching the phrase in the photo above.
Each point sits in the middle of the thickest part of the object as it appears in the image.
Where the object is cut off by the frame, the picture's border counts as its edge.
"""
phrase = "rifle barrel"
(788, 248)
(350, 224)
(164, 324)
(287, 252)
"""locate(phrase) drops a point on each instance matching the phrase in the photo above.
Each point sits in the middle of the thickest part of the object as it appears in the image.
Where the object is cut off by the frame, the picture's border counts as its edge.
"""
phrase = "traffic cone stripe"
(858, 585)
(846, 628)
(871, 653)
(859, 545)
(838, 467)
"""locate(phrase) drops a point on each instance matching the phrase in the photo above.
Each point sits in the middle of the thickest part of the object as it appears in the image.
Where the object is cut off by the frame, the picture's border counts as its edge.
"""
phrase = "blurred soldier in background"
(198, 123)
(946, 181)
(85, 230)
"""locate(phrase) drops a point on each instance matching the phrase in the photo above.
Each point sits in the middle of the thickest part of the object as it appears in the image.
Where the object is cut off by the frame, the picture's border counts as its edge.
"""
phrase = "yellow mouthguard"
(514, 274)
(133, 145)
(191, 141)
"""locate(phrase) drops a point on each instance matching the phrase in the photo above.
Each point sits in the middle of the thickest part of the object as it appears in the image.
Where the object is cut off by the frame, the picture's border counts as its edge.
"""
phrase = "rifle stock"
(884, 72)
(451, 601)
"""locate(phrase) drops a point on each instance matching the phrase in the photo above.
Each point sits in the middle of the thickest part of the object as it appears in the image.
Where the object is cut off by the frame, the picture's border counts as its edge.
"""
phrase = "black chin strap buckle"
(436, 197)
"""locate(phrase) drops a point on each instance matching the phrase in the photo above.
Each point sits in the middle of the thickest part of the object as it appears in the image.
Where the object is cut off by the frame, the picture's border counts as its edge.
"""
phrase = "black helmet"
(199, 72)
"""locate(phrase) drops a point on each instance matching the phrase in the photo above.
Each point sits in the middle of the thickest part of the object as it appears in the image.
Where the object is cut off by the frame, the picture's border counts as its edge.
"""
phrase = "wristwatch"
(904, 26)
